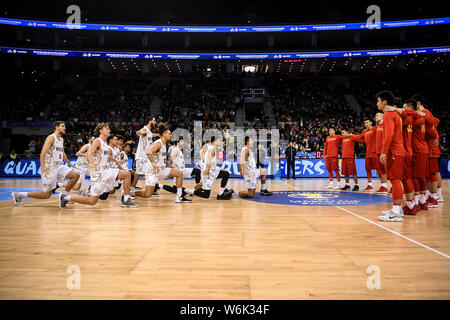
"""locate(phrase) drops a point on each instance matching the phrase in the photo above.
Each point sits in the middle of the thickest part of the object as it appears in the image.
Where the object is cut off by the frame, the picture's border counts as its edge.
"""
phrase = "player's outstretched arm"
(90, 154)
(66, 159)
(47, 145)
(83, 151)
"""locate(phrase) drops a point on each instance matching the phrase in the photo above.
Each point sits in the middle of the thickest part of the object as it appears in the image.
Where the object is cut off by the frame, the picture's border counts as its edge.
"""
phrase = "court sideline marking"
(383, 227)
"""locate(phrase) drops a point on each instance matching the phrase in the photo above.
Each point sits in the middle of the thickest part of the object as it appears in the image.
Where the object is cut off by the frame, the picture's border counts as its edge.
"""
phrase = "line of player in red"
(403, 147)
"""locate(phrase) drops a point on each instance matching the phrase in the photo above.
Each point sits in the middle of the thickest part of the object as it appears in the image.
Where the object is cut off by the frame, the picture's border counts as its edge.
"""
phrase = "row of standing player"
(403, 147)
(104, 159)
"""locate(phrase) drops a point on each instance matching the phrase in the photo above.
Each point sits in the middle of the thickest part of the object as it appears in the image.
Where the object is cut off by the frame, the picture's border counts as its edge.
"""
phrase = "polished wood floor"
(211, 249)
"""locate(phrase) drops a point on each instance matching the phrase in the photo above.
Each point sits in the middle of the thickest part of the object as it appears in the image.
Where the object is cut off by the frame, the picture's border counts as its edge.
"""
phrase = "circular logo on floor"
(322, 198)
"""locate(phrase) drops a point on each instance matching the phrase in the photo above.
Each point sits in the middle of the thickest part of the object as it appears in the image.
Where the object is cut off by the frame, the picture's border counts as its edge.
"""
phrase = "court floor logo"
(322, 198)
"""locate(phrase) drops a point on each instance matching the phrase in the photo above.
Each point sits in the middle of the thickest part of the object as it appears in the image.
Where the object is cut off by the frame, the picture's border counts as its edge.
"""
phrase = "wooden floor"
(211, 249)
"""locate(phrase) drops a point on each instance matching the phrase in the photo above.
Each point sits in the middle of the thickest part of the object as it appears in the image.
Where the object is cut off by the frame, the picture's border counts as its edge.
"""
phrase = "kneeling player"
(158, 170)
(52, 168)
(100, 172)
(210, 172)
(250, 173)
(83, 167)
(177, 162)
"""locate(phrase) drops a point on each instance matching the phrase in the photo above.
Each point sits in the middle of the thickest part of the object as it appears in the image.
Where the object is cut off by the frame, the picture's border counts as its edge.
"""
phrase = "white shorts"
(49, 181)
(101, 182)
(83, 172)
(151, 178)
(250, 179)
(142, 165)
(187, 172)
(208, 180)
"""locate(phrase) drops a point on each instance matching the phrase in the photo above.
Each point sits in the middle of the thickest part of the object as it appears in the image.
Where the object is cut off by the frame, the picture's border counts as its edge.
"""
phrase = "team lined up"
(403, 147)
(105, 160)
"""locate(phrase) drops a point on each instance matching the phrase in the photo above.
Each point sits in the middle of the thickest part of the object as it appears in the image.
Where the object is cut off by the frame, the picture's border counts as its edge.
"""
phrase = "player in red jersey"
(381, 171)
(393, 154)
(348, 161)
(331, 154)
(431, 135)
(368, 137)
(409, 116)
(435, 153)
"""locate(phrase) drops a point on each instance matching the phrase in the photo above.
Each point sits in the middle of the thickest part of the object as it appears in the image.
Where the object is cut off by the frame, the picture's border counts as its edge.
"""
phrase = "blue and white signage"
(223, 29)
(223, 56)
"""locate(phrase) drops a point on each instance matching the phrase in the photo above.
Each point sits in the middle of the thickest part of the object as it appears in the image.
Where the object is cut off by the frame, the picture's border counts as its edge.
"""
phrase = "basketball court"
(304, 242)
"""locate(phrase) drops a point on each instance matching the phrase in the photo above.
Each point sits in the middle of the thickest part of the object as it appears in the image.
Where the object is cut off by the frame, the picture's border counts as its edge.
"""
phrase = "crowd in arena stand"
(304, 107)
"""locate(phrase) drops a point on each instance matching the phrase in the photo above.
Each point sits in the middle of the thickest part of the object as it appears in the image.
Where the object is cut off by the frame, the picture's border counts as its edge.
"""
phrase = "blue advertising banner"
(227, 29)
(304, 168)
(224, 56)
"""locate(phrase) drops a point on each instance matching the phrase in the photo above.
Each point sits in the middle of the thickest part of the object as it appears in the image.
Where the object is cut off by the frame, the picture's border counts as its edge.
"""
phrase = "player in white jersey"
(176, 161)
(157, 169)
(114, 162)
(125, 150)
(82, 166)
(100, 172)
(250, 172)
(52, 168)
(145, 135)
(211, 171)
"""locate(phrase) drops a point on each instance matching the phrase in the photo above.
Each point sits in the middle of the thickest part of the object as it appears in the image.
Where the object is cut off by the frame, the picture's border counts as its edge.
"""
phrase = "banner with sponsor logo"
(235, 29)
(304, 168)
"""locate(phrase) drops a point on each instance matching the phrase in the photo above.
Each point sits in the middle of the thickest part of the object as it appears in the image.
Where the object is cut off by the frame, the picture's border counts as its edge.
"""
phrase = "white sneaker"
(330, 185)
(440, 199)
(17, 199)
(182, 200)
(390, 216)
(337, 186)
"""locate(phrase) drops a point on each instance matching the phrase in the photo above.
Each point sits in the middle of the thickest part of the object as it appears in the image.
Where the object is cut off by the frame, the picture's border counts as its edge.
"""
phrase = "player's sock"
(410, 204)
(125, 198)
(189, 191)
(370, 184)
(384, 184)
(416, 199)
(422, 198)
(397, 209)
(22, 194)
(132, 190)
(179, 192)
(434, 196)
(263, 186)
(221, 191)
(67, 197)
(439, 192)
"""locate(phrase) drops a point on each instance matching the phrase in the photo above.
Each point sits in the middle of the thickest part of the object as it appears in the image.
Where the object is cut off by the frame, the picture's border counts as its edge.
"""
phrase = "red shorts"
(408, 167)
(371, 163)
(381, 167)
(332, 164)
(348, 167)
(395, 167)
(420, 165)
(434, 166)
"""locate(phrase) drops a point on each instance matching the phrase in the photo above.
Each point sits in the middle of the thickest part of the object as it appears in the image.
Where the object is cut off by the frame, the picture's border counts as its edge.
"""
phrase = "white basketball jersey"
(101, 157)
(82, 161)
(125, 158)
(161, 154)
(54, 155)
(144, 144)
(178, 160)
(250, 163)
(210, 159)
(116, 155)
